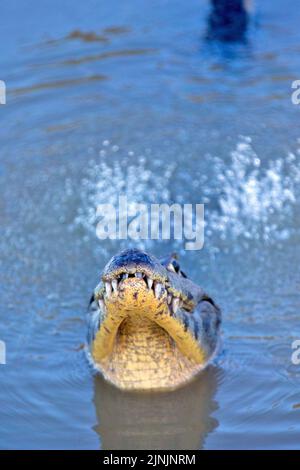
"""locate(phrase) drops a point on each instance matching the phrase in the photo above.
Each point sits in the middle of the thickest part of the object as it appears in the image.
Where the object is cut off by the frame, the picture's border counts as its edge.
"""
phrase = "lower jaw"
(145, 357)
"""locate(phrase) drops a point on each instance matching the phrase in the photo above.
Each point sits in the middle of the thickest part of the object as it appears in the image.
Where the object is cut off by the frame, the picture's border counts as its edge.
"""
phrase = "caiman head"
(150, 327)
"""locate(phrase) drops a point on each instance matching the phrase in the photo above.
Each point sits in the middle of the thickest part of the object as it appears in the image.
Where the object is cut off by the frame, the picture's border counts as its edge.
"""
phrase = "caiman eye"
(176, 266)
(171, 268)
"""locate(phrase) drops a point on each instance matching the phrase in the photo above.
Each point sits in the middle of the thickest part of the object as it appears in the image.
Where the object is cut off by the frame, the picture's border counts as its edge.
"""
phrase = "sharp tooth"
(114, 284)
(125, 276)
(149, 282)
(169, 299)
(108, 289)
(139, 275)
(102, 305)
(175, 304)
(157, 289)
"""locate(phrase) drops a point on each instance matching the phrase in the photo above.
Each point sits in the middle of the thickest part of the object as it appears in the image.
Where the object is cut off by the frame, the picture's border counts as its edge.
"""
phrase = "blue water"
(109, 98)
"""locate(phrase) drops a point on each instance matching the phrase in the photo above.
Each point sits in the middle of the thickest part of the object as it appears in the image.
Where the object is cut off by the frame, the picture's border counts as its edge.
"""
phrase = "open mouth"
(148, 335)
(115, 287)
(142, 341)
(153, 328)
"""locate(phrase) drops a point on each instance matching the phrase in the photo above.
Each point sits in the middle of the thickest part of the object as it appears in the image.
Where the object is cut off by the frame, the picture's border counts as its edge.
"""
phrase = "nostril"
(134, 257)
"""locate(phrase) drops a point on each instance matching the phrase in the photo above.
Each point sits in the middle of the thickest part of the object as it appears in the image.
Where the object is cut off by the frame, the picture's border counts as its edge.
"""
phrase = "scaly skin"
(149, 326)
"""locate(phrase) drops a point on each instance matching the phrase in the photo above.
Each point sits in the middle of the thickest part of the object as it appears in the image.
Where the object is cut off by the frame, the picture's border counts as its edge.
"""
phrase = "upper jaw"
(113, 285)
(133, 269)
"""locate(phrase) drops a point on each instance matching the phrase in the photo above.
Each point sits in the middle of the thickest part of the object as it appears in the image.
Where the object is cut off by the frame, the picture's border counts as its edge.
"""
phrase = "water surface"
(109, 98)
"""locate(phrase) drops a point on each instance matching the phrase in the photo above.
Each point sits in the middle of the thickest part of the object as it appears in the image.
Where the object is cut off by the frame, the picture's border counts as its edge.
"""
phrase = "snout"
(132, 261)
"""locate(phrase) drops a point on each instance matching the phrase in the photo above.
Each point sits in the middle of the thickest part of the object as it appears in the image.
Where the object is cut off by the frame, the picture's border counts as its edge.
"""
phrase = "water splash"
(129, 175)
(245, 200)
(254, 202)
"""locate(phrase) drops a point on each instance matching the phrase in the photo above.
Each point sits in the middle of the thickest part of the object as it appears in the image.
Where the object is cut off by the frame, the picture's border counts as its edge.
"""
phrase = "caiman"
(149, 326)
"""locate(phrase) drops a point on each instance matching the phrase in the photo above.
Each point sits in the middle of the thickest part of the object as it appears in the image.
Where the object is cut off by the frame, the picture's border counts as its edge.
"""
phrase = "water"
(115, 98)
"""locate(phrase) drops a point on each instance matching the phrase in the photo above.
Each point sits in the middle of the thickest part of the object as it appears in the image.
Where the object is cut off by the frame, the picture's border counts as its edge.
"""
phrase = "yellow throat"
(140, 345)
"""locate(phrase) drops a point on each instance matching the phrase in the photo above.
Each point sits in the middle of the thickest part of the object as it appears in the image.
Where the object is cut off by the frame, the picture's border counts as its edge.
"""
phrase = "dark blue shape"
(228, 21)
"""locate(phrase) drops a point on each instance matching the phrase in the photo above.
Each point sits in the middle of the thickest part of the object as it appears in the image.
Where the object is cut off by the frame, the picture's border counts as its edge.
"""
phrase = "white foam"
(255, 201)
(251, 200)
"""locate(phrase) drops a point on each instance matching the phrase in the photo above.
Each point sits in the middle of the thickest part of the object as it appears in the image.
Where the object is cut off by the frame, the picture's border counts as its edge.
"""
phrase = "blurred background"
(158, 101)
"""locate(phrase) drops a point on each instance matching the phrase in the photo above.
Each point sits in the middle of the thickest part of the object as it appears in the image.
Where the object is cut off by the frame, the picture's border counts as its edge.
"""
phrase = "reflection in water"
(89, 36)
(108, 55)
(228, 20)
(180, 419)
(58, 84)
